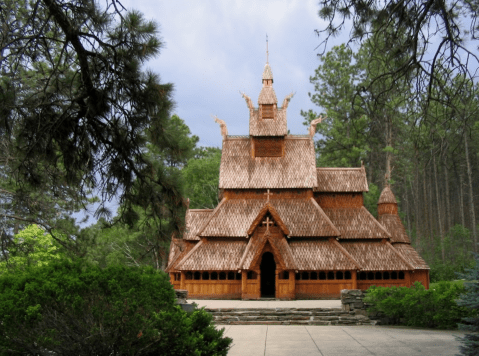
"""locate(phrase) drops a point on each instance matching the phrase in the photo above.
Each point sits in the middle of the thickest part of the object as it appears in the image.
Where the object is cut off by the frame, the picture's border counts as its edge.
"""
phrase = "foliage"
(470, 300)
(429, 40)
(71, 308)
(31, 246)
(77, 113)
(201, 176)
(371, 199)
(416, 306)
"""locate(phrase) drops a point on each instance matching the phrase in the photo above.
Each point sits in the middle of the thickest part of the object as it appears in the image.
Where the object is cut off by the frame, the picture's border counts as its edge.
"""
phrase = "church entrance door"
(268, 269)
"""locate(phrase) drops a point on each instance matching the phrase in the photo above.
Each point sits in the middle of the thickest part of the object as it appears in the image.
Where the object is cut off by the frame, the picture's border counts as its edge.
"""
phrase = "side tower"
(388, 217)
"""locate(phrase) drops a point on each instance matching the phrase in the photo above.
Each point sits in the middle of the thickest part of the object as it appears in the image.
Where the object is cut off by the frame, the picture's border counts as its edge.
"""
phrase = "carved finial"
(249, 102)
(187, 203)
(287, 100)
(224, 129)
(312, 128)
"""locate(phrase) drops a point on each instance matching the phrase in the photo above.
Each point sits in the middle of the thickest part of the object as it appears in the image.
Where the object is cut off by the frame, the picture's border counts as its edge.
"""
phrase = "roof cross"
(267, 195)
(268, 222)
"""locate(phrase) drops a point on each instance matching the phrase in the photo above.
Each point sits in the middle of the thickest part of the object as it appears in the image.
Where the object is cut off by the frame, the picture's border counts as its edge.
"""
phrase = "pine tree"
(470, 342)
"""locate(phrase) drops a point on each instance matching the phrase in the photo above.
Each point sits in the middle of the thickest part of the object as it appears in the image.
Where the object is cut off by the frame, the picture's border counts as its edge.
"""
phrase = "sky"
(215, 49)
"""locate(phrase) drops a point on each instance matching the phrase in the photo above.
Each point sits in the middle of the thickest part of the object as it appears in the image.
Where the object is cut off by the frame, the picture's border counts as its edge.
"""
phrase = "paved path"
(210, 303)
(292, 340)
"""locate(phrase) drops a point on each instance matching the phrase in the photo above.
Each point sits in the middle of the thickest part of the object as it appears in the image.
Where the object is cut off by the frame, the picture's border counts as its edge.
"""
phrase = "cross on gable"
(267, 195)
(268, 222)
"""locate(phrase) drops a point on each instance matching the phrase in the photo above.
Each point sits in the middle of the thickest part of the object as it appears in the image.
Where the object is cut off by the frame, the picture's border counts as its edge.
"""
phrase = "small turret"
(387, 203)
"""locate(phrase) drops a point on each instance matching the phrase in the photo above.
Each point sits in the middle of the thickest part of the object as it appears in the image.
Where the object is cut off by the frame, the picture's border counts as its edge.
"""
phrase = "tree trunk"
(461, 200)
(428, 228)
(438, 205)
(448, 197)
(471, 196)
(416, 205)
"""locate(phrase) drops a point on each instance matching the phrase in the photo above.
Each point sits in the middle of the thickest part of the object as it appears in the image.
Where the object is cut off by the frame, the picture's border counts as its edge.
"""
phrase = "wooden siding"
(268, 146)
(225, 289)
(387, 208)
(421, 276)
(339, 200)
(261, 193)
(321, 289)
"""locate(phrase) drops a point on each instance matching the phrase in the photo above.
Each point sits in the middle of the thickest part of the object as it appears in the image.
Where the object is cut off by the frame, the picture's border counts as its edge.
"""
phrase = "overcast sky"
(214, 49)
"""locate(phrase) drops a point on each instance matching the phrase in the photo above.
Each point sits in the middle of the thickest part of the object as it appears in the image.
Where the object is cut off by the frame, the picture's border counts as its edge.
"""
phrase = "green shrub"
(70, 308)
(416, 306)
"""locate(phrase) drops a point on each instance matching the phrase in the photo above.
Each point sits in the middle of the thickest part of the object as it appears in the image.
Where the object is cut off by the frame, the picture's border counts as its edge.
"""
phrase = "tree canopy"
(77, 111)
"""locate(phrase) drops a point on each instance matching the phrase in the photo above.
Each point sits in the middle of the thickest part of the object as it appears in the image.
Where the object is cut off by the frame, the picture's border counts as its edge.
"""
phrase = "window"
(222, 276)
(385, 275)
(238, 276)
(205, 276)
(362, 276)
(322, 275)
(214, 276)
(284, 275)
(231, 276)
(267, 111)
(347, 275)
(197, 276)
(379, 275)
(251, 275)
(297, 276)
(314, 275)
(189, 275)
(339, 275)
(394, 275)
(305, 276)
(370, 275)
(330, 275)
(401, 275)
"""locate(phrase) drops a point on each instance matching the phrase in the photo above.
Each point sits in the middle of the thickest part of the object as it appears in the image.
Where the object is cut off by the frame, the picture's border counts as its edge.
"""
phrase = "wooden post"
(292, 285)
(354, 275)
(182, 280)
(243, 284)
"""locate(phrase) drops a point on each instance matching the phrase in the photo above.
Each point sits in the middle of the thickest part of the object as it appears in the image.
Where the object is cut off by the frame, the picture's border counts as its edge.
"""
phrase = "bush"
(70, 308)
(470, 300)
(416, 306)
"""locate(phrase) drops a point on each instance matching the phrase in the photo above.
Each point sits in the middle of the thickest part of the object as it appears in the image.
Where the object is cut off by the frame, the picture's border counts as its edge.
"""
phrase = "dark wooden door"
(268, 280)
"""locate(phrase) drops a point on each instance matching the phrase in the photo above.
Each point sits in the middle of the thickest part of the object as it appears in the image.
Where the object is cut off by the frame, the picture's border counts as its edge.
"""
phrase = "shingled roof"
(267, 96)
(356, 223)
(178, 250)
(194, 221)
(337, 180)
(268, 127)
(375, 256)
(310, 255)
(387, 196)
(303, 217)
(395, 227)
(410, 254)
(213, 255)
(296, 169)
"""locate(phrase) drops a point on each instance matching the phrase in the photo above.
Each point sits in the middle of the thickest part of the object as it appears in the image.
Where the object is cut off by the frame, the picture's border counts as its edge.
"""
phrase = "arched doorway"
(268, 280)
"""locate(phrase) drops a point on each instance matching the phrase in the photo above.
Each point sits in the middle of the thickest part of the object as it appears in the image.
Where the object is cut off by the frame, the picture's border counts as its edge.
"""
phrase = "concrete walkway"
(210, 303)
(292, 340)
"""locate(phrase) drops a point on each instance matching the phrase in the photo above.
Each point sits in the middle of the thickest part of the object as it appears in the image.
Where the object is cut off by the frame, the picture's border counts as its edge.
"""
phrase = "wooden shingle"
(194, 221)
(310, 255)
(356, 223)
(303, 217)
(387, 196)
(395, 227)
(375, 256)
(178, 250)
(296, 169)
(341, 180)
(411, 255)
(214, 255)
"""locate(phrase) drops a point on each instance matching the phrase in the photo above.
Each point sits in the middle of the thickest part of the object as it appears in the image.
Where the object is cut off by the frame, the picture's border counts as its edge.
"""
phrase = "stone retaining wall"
(352, 301)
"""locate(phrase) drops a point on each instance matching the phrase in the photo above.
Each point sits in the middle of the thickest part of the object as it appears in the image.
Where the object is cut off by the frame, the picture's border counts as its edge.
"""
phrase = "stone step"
(287, 316)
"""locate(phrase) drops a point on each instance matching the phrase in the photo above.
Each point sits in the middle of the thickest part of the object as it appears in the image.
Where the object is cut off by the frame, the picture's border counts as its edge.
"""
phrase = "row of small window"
(305, 276)
(362, 276)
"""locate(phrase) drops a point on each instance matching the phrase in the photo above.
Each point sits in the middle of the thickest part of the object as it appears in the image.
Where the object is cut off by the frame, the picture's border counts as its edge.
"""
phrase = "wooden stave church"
(285, 228)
